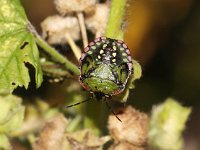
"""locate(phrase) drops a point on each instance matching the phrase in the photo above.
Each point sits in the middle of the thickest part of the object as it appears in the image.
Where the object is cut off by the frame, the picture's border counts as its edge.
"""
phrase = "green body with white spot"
(105, 66)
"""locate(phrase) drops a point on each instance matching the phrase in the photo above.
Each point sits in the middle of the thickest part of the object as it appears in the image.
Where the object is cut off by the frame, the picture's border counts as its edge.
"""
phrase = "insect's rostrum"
(105, 66)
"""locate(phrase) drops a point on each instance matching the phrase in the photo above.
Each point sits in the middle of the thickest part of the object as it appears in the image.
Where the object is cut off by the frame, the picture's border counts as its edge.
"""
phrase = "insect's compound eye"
(87, 65)
(122, 72)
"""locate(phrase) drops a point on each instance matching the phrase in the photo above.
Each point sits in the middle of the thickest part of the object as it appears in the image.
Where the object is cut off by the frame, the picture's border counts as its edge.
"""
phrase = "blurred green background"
(164, 36)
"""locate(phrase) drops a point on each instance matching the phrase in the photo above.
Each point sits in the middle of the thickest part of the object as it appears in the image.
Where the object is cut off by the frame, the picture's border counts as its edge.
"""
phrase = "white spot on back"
(93, 47)
(122, 49)
(124, 54)
(115, 48)
(101, 51)
(114, 54)
(104, 45)
(89, 52)
(98, 43)
(113, 60)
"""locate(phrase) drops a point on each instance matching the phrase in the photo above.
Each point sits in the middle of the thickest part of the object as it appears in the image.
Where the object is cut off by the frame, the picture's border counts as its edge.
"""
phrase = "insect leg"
(111, 110)
(78, 103)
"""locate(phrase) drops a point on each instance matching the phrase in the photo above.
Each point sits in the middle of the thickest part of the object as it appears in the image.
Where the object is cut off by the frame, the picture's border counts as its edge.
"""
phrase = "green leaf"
(11, 114)
(17, 48)
(4, 142)
(166, 125)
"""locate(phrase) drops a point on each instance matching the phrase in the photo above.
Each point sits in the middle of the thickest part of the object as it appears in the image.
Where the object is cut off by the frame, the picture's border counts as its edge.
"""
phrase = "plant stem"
(56, 56)
(114, 26)
(83, 29)
(74, 47)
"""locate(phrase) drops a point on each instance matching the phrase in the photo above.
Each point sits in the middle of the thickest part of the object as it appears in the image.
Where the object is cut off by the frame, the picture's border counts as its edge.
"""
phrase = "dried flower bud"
(55, 28)
(98, 21)
(133, 129)
(86, 140)
(70, 6)
(52, 135)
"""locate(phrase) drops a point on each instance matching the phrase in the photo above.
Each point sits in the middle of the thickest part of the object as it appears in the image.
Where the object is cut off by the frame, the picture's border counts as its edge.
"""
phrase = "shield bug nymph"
(105, 66)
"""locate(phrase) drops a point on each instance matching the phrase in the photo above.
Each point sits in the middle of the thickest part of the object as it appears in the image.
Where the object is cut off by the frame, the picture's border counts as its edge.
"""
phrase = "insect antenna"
(78, 103)
(111, 110)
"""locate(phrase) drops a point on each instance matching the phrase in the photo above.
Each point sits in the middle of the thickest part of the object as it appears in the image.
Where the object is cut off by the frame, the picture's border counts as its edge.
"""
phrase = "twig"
(74, 47)
(56, 56)
(83, 28)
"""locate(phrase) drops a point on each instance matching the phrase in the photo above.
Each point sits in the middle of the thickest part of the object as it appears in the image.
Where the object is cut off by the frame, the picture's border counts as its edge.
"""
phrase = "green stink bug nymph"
(105, 66)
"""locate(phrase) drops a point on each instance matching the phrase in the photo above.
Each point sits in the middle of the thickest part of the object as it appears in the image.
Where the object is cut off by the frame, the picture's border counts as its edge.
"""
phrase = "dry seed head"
(52, 135)
(55, 27)
(86, 140)
(133, 129)
(97, 22)
(71, 6)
